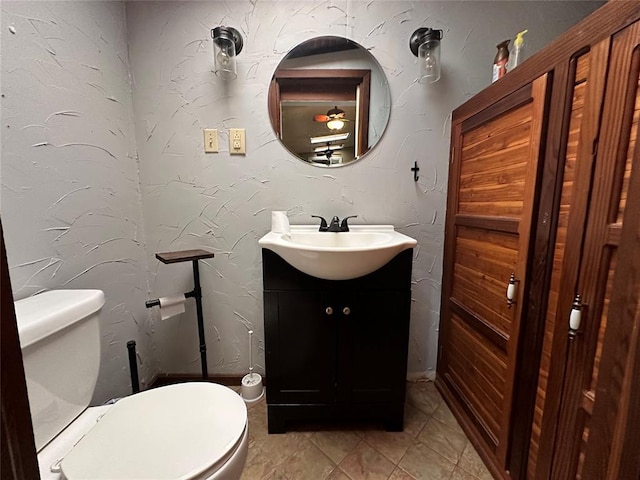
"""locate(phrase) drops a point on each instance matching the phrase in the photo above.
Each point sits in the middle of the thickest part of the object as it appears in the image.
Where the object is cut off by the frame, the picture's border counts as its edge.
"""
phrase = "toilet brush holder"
(252, 389)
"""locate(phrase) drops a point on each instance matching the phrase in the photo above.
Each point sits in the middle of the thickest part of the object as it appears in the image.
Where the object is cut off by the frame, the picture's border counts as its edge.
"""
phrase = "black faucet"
(335, 225)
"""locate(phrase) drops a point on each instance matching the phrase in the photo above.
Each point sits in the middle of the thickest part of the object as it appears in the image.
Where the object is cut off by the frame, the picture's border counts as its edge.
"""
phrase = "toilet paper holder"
(193, 256)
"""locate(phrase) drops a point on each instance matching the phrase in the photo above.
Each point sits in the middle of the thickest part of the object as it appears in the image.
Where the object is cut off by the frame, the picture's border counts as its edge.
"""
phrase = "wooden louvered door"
(587, 78)
(492, 188)
(616, 157)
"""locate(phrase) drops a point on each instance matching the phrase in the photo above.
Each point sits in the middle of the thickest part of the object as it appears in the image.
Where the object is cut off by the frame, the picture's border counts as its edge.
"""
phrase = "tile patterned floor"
(432, 447)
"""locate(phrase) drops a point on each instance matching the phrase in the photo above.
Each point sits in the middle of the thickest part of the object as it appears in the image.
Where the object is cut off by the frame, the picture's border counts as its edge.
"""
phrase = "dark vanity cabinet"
(336, 350)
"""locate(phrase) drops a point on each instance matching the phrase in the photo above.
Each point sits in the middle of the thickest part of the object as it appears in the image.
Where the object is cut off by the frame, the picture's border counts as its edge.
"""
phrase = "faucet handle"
(323, 223)
(344, 226)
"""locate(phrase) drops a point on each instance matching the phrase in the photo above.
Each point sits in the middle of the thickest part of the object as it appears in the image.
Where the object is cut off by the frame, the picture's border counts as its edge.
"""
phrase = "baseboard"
(171, 378)
(421, 376)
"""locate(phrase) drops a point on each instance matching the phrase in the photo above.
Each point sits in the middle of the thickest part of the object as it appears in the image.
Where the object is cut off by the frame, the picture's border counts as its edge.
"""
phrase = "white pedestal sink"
(338, 255)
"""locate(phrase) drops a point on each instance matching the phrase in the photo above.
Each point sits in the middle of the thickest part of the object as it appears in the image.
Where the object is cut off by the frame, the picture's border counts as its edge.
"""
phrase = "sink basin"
(341, 255)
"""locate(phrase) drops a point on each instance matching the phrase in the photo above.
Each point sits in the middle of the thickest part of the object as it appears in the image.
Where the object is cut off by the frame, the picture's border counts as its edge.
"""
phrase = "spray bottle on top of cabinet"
(516, 56)
(500, 60)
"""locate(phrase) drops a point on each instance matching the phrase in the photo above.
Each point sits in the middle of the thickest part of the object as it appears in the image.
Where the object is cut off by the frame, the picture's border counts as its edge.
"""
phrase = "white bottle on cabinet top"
(516, 55)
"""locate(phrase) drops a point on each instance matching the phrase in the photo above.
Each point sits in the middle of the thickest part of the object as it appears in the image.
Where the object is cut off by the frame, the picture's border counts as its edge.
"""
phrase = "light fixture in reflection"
(227, 44)
(329, 138)
(335, 124)
(328, 147)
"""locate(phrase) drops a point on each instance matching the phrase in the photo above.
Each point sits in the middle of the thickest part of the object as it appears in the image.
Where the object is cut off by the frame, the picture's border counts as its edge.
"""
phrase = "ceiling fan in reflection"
(324, 154)
(334, 118)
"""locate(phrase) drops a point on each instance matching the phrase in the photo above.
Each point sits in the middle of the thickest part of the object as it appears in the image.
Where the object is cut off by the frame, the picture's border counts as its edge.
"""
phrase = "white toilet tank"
(60, 341)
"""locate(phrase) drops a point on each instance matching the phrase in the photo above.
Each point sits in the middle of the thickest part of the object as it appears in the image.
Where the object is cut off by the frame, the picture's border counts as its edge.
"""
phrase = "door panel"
(494, 166)
(603, 322)
(627, 167)
(587, 76)
(492, 184)
(614, 450)
(373, 346)
(477, 369)
(615, 161)
(484, 259)
(301, 347)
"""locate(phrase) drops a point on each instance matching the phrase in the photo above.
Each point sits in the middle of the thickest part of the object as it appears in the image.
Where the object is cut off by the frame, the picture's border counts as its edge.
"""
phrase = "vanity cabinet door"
(300, 334)
(373, 333)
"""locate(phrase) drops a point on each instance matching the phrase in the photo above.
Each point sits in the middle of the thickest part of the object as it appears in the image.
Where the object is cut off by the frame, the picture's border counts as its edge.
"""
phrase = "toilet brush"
(252, 382)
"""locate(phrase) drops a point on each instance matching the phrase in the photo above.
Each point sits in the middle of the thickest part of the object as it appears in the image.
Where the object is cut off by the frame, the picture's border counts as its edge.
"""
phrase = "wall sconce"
(425, 44)
(227, 43)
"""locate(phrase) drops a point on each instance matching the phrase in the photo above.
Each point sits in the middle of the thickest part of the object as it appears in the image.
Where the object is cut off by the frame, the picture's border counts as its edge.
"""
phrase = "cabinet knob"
(511, 290)
(346, 310)
(328, 311)
(575, 317)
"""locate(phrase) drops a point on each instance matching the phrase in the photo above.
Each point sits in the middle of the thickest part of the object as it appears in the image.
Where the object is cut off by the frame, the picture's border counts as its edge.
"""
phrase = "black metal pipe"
(197, 294)
(133, 366)
(152, 303)
(156, 302)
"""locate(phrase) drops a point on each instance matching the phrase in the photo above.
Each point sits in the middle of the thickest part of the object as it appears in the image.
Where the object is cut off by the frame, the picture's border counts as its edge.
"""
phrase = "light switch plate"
(237, 144)
(210, 140)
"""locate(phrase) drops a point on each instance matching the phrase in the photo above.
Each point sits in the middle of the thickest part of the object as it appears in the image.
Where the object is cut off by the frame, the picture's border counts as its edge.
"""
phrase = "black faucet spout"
(334, 226)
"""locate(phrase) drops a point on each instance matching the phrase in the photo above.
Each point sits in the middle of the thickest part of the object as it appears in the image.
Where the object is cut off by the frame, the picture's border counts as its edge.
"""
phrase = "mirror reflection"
(329, 101)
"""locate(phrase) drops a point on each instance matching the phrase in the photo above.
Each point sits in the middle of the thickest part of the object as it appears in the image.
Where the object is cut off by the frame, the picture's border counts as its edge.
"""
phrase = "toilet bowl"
(190, 431)
(194, 431)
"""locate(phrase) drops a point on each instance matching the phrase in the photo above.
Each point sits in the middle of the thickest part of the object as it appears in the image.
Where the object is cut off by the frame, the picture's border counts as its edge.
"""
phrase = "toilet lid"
(172, 432)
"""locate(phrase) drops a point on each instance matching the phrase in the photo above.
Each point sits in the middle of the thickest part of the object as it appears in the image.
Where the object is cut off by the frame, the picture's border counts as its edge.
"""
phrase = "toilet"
(187, 431)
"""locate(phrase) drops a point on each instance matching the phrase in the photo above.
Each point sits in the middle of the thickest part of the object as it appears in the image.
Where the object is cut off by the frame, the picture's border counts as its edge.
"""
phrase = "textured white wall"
(74, 192)
(223, 203)
(70, 192)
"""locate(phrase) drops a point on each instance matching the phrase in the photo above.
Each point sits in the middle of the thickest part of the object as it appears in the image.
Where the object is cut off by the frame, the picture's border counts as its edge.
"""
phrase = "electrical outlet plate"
(237, 144)
(210, 140)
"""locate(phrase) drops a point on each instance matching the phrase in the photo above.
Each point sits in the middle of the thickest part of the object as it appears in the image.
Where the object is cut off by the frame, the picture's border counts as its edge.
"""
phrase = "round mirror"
(329, 101)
